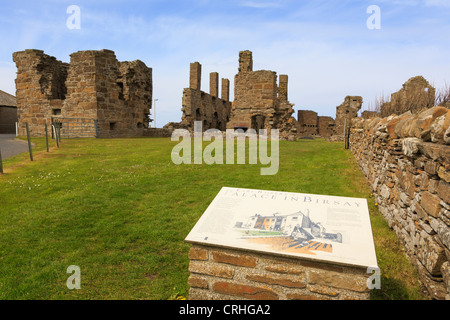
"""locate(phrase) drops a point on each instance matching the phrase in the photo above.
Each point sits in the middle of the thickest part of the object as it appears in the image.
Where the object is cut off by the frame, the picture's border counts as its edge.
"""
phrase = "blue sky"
(324, 46)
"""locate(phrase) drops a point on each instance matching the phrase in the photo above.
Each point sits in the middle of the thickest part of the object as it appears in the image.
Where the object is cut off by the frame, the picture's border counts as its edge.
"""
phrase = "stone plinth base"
(227, 274)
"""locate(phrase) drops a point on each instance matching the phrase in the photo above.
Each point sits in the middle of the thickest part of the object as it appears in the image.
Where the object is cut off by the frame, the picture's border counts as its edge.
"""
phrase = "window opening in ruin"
(197, 114)
(244, 129)
(112, 126)
(121, 97)
(140, 125)
(215, 123)
(258, 122)
(56, 112)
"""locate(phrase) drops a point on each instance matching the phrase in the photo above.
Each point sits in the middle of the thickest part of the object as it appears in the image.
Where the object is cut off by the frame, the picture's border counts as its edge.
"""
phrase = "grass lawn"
(120, 210)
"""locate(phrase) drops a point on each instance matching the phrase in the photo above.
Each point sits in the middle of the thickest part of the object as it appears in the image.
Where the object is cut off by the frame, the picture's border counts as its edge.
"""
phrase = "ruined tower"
(95, 86)
(259, 102)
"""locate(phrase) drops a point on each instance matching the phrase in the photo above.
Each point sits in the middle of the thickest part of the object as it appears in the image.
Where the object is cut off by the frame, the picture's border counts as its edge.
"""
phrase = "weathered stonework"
(213, 112)
(416, 95)
(226, 274)
(346, 112)
(95, 86)
(312, 125)
(406, 160)
(308, 121)
(259, 103)
(326, 126)
(369, 114)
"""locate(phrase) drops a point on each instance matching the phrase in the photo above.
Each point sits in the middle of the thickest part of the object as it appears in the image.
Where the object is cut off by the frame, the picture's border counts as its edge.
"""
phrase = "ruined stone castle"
(260, 102)
(95, 95)
(111, 98)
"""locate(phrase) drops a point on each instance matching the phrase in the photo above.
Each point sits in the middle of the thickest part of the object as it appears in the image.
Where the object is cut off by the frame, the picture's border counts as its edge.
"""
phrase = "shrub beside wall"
(406, 160)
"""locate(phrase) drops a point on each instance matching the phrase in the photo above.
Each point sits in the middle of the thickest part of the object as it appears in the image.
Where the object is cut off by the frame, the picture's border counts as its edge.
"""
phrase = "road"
(10, 146)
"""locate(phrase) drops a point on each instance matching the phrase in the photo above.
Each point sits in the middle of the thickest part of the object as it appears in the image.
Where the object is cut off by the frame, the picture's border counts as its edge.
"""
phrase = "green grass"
(120, 210)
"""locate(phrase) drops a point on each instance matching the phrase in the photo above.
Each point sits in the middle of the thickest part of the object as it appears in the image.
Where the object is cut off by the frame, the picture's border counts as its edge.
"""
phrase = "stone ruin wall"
(312, 125)
(406, 160)
(416, 94)
(259, 103)
(95, 85)
(326, 126)
(39, 88)
(197, 105)
(308, 121)
(346, 112)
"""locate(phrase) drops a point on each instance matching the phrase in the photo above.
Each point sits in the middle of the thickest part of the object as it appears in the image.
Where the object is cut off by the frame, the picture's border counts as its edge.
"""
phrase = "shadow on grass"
(394, 289)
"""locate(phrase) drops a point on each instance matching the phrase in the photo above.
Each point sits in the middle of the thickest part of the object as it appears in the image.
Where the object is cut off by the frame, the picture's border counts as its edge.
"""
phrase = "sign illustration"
(316, 227)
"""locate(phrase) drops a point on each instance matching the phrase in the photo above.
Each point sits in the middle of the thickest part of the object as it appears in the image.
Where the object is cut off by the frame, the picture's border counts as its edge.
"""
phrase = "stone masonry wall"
(326, 126)
(95, 85)
(259, 102)
(416, 94)
(347, 111)
(406, 160)
(225, 274)
(310, 124)
(197, 105)
(39, 87)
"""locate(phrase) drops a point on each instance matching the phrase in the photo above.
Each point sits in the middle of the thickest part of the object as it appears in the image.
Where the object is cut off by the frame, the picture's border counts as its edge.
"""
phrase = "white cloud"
(261, 4)
(437, 3)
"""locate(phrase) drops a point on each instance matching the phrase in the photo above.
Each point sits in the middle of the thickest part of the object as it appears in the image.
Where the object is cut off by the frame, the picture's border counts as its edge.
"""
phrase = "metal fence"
(75, 127)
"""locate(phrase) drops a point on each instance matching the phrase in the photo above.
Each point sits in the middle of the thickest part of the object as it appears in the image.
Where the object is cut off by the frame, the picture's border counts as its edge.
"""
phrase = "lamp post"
(154, 111)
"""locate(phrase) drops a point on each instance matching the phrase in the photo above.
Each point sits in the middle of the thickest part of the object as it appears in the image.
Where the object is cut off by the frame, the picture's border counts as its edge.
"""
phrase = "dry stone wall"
(406, 160)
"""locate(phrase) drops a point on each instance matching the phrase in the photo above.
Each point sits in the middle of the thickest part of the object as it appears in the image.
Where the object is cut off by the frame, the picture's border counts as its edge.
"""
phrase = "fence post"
(55, 134)
(1, 162)
(96, 128)
(29, 141)
(59, 132)
(347, 135)
(46, 135)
